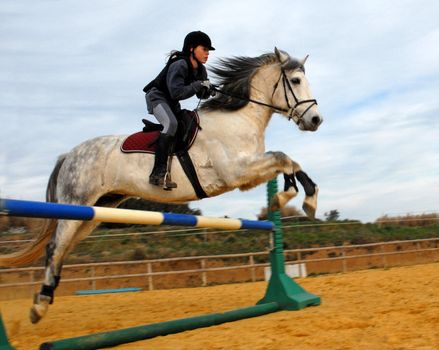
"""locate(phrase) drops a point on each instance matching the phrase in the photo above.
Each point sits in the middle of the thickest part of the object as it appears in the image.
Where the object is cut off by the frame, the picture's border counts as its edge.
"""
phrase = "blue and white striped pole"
(13, 207)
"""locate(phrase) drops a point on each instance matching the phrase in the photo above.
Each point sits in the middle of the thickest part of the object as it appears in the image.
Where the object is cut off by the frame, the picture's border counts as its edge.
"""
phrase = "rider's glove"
(203, 88)
(199, 85)
(210, 88)
(206, 84)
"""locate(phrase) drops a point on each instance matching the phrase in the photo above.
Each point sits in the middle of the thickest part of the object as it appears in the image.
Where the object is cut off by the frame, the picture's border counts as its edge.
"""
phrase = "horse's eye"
(295, 81)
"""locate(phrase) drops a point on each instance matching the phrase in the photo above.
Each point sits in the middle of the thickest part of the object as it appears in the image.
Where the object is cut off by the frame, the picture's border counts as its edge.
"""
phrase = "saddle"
(145, 141)
(188, 126)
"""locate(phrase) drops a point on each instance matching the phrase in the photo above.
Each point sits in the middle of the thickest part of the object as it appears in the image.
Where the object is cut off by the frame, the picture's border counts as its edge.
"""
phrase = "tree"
(332, 215)
(142, 204)
(284, 212)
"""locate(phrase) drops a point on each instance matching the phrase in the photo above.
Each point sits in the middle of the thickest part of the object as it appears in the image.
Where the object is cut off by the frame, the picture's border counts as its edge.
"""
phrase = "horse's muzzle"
(312, 124)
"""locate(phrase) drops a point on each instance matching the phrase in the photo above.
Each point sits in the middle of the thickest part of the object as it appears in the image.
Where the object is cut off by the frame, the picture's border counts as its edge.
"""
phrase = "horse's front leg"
(309, 205)
(246, 173)
(265, 167)
(290, 191)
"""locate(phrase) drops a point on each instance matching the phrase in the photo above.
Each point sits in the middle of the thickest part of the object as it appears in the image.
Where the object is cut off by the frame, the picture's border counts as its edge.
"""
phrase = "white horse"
(228, 153)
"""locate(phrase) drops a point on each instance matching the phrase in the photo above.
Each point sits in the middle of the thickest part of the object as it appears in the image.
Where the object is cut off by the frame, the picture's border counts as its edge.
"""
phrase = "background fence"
(218, 269)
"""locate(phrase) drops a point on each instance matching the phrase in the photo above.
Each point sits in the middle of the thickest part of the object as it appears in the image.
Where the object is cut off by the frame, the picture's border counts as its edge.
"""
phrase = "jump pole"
(282, 292)
(127, 335)
(14, 207)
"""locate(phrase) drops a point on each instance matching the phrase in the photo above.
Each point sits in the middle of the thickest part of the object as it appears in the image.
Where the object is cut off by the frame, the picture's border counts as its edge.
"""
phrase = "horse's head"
(282, 87)
(292, 93)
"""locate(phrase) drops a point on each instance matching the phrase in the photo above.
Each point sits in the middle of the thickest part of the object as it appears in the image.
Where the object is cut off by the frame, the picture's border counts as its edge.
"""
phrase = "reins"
(215, 88)
(291, 112)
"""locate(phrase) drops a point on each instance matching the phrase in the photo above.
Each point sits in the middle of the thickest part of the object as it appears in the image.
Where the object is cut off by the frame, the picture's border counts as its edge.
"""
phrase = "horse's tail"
(36, 248)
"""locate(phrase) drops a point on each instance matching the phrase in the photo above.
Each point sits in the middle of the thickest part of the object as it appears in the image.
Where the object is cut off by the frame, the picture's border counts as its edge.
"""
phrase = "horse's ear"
(282, 56)
(304, 60)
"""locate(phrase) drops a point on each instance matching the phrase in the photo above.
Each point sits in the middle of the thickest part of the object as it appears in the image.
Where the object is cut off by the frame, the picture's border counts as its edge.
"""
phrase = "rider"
(183, 76)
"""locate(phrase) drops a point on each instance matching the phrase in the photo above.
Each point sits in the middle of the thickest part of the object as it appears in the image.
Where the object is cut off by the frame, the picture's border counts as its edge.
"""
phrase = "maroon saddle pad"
(145, 141)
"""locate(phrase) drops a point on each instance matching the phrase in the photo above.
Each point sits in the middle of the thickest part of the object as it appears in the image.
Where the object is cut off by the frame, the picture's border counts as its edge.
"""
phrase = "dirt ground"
(383, 309)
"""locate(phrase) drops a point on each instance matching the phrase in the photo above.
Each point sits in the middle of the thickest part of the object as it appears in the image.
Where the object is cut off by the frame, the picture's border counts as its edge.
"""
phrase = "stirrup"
(168, 184)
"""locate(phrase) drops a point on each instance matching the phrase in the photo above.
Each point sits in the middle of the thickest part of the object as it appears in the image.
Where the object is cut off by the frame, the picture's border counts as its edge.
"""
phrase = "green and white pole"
(281, 288)
(4, 342)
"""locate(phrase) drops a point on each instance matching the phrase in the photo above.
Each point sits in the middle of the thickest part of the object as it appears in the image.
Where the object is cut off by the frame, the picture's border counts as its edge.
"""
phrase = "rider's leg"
(165, 143)
(164, 114)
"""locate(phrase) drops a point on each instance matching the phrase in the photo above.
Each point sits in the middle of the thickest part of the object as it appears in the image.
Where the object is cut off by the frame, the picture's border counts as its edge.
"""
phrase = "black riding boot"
(157, 177)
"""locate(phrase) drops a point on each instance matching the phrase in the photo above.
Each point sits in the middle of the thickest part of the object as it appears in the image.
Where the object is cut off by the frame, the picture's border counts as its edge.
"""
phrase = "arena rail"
(346, 262)
(282, 292)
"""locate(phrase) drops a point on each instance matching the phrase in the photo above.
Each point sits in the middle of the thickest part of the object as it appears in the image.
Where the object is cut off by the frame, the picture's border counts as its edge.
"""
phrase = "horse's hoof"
(275, 205)
(36, 313)
(309, 211)
(310, 205)
(281, 199)
(39, 308)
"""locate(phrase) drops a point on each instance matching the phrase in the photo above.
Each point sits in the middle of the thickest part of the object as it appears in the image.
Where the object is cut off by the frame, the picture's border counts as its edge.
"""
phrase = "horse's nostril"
(315, 120)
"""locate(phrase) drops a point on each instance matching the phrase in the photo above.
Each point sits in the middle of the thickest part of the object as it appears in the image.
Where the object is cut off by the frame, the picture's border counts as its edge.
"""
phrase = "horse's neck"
(261, 90)
(247, 125)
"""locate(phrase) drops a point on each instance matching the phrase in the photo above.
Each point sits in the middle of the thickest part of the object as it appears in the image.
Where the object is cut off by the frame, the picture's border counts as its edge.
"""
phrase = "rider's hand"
(198, 85)
(206, 84)
(203, 88)
(210, 88)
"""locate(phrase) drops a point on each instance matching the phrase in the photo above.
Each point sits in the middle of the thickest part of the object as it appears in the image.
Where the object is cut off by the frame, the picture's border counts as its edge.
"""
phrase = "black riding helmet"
(193, 39)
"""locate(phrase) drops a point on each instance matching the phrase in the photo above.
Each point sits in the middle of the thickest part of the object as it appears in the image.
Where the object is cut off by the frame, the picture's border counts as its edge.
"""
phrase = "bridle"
(291, 112)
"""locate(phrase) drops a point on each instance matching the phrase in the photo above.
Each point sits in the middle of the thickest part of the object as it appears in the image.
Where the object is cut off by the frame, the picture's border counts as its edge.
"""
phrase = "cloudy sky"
(74, 70)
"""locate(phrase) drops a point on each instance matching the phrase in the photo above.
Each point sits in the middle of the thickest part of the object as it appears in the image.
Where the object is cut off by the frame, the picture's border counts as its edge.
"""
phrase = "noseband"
(291, 112)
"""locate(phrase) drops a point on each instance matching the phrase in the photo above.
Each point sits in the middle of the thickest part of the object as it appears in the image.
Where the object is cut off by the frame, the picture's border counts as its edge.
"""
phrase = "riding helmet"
(193, 39)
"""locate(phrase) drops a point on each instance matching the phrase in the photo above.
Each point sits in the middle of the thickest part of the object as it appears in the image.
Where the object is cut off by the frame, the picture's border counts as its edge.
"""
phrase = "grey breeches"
(163, 113)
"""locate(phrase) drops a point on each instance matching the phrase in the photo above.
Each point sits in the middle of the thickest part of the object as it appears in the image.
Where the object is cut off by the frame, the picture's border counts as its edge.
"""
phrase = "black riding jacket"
(175, 82)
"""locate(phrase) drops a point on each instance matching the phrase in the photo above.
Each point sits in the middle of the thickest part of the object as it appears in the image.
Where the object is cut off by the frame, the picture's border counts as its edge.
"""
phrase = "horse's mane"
(234, 75)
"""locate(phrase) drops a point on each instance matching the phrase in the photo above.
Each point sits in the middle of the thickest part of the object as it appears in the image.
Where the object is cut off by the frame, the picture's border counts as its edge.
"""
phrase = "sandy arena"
(394, 309)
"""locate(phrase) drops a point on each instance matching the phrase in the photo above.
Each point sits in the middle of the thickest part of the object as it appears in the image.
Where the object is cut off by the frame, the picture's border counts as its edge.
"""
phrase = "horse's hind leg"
(67, 234)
